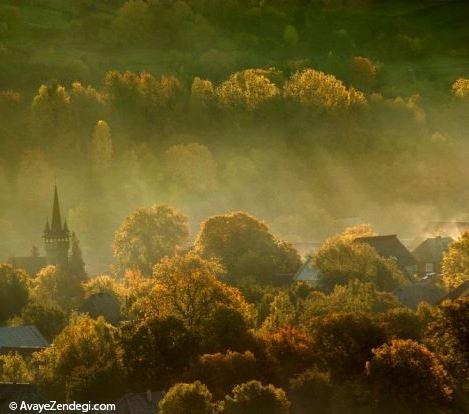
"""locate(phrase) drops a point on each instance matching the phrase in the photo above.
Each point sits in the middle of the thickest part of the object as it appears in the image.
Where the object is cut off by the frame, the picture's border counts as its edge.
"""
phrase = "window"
(429, 268)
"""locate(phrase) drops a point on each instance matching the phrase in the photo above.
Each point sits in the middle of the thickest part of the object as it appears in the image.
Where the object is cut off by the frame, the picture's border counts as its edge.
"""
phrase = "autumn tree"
(455, 266)
(187, 287)
(49, 319)
(222, 371)
(254, 397)
(84, 363)
(406, 375)
(460, 88)
(184, 398)
(321, 91)
(147, 235)
(245, 246)
(447, 335)
(311, 391)
(343, 342)
(13, 291)
(55, 286)
(157, 350)
(340, 260)
(247, 90)
(14, 369)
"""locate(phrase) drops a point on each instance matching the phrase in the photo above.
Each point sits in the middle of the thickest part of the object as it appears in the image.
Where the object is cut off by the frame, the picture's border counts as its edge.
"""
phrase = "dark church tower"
(57, 236)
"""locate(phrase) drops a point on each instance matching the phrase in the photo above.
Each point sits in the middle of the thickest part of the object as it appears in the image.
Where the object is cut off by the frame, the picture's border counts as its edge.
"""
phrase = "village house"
(429, 255)
(390, 247)
(22, 339)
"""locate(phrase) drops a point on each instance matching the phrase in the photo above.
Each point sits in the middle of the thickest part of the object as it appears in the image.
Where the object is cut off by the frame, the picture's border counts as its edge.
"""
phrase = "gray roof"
(306, 272)
(22, 337)
(389, 246)
(141, 403)
(432, 250)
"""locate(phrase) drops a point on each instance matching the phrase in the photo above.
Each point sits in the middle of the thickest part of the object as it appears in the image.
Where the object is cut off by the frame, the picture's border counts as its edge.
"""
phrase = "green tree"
(245, 246)
(84, 364)
(405, 374)
(253, 397)
(455, 265)
(147, 235)
(13, 291)
(183, 398)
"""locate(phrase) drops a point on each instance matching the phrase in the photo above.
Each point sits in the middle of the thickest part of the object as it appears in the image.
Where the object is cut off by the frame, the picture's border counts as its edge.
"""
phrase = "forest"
(201, 148)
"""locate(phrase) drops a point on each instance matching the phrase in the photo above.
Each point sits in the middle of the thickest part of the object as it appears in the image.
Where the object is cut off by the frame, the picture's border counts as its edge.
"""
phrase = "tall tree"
(147, 235)
(13, 291)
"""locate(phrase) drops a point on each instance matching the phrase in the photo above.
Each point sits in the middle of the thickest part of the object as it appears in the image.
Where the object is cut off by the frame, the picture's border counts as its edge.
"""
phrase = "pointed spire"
(66, 226)
(47, 228)
(56, 226)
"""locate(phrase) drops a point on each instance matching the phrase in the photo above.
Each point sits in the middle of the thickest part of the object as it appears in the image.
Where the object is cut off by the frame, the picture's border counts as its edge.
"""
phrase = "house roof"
(141, 403)
(22, 337)
(306, 272)
(432, 250)
(426, 291)
(389, 246)
(17, 393)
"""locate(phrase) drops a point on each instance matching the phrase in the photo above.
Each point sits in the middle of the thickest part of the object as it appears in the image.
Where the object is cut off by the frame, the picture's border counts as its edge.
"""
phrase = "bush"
(183, 398)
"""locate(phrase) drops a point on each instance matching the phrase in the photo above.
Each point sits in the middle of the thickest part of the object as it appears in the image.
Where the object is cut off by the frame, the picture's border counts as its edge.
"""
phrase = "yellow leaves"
(456, 263)
(460, 88)
(317, 89)
(247, 89)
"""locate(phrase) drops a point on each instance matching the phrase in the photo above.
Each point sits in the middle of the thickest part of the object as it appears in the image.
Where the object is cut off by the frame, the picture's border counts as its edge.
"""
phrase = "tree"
(191, 168)
(363, 72)
(13, 369)
(455, 266)
(56, 286)
(157, 350)
(311, 391)
(187, 288)
(247, 90)
(404, 373)
(340, 260)
(84, 364)
(343, 342)
(76, 265)
(460, 88)
(147, 235)
(447, 335)
(245, 246)
(222, 371)
(183, 398)
(49, 319)
(321, 91)
(290, 36)
(402, 323)
(13, 291)
(101, 147)
(253, 397)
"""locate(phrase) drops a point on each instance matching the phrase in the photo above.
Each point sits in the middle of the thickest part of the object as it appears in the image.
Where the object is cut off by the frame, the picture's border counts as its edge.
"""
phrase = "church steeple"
(56, 227)
(57, 236)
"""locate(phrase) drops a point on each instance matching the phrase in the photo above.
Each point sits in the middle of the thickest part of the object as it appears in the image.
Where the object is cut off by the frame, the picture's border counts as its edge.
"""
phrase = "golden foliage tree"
(319, 90)
(460, 88)
(455, 265)
(13, 369)
(147, 235)
(248, 89)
